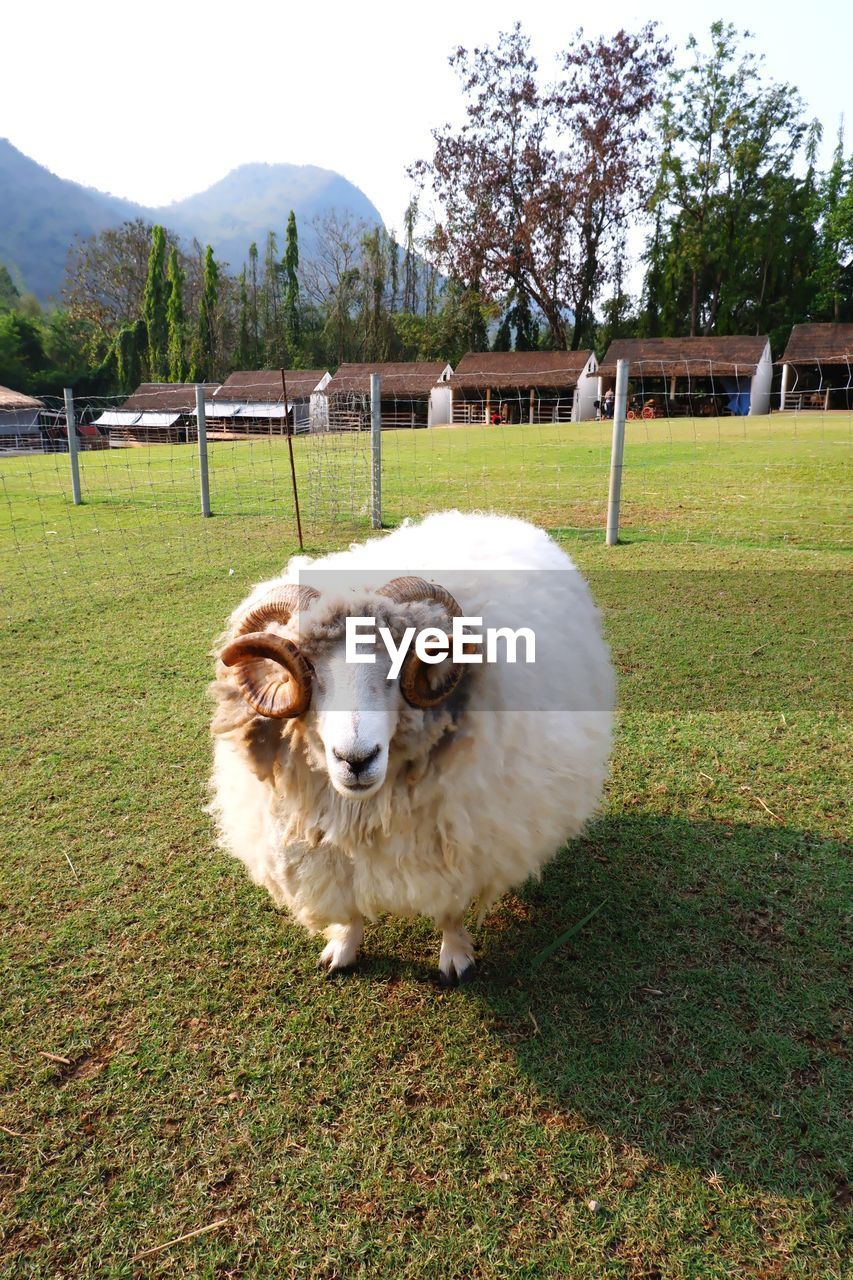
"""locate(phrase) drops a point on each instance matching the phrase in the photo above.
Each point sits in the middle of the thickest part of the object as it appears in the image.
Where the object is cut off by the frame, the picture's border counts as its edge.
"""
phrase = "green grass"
(678, 1063)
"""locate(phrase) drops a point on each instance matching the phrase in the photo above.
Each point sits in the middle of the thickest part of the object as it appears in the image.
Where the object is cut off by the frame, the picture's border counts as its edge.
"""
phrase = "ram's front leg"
(342, 947)
(456, 958)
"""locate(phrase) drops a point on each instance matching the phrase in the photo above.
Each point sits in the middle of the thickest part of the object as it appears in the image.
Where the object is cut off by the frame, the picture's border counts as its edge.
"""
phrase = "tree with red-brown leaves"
(534, 190)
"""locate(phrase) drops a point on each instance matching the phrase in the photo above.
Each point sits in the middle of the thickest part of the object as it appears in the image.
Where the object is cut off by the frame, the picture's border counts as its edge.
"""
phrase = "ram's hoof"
(331, 971)
(457, 977)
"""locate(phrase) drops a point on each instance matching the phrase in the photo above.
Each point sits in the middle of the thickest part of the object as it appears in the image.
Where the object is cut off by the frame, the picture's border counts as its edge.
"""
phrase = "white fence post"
(620, 407)
(376, 450)
(71, 429)
(201, 421)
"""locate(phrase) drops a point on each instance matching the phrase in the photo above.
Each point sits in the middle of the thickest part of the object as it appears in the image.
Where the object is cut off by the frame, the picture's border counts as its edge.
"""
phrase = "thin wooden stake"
(292, 464)
(189, 1235)
(54, 1057)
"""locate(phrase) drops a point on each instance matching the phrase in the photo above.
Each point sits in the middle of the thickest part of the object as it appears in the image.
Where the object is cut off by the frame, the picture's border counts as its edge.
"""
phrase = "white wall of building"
(440, 406)
(318, 414)
(759, 399)
(586, 393)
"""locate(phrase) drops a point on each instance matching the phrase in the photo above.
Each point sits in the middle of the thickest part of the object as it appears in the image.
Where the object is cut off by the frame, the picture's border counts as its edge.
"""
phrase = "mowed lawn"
(662, 1097)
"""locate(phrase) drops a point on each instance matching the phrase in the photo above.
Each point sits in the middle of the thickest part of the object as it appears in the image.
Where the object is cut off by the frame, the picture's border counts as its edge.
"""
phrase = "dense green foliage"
(154, 306)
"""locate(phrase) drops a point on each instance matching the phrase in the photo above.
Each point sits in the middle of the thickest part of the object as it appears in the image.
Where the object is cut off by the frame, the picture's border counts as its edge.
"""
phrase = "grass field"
(663, 1098)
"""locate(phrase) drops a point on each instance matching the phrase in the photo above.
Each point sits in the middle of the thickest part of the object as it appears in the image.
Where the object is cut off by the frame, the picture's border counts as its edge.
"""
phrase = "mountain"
(255, 199)
(40, 214)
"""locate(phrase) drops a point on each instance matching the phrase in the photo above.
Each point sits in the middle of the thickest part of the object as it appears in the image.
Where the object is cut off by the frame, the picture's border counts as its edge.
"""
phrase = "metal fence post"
(201, 420)
(620, 406)
(71, 429)
(376, 450)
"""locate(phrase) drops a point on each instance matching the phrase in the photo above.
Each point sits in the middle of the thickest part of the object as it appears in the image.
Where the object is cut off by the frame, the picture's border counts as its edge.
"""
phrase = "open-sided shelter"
(19, 420)
(817, 368)
(156, 413)
(523, 386)
(412, 394)
(252, 401)
(678, 377)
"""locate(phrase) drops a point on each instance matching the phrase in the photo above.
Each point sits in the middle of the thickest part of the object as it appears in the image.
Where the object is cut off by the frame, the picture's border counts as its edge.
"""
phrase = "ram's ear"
(231, 711)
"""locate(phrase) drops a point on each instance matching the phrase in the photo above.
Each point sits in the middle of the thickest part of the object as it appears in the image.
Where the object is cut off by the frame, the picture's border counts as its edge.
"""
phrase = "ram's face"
(354, 707)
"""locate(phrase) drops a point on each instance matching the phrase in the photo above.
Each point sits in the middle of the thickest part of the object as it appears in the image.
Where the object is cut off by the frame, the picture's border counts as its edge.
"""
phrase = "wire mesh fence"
(700, 464)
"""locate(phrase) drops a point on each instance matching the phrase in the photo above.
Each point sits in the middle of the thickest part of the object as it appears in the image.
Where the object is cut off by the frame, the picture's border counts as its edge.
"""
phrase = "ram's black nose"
(357, 762)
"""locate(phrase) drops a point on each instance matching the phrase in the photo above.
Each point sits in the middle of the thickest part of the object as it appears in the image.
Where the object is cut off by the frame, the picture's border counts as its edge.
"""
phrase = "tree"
(253, 308)
(410, 260)
(275, 350)
(105, 280)
(204, 358)
(154, 305)
(834, 270)
(374, 327)
(175, 323)
(604, 106)
(459, 325)
(10, 296)
(291, 284)
(130, 350)
(734, 225)
(534, 189)
(331, 279)
(21, 351)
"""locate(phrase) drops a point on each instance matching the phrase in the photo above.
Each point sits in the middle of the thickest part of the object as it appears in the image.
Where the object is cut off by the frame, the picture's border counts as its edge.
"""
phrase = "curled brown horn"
(277, 607)
(271, 674)
(415, 684)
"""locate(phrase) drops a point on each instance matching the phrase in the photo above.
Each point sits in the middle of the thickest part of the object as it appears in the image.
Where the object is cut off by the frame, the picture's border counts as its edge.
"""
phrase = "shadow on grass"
(699, 1015)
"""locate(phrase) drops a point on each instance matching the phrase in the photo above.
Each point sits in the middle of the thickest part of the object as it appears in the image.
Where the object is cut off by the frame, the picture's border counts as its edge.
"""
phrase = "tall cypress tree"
(273, 338)
(243, 353)
(291, 284)
(154, 305)
(130, 350)
(410, 261)
(175, 324)
(204, 347)
(254, 315)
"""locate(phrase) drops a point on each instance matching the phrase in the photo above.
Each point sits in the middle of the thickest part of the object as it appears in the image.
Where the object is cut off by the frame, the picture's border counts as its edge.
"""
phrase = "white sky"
(157, 101)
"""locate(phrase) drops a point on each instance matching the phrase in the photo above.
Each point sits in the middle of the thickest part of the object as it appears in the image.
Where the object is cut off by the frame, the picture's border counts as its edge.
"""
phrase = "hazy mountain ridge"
(40, 213)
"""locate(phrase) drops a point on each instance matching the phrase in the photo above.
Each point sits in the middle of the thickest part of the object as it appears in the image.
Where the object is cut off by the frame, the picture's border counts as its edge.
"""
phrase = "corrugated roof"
(164, 397)
(819, 342)
(682, 356)
(265, 384)
(521, 370)
(152, 419)
(400, 378)
(11, 400)
(115, 418)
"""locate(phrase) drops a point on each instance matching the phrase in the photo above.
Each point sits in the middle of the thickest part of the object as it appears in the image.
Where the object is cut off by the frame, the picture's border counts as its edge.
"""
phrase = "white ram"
(348, 794)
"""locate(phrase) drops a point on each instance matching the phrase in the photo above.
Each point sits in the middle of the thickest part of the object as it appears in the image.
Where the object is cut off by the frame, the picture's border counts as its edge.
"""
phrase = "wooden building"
(156, 413)
(413, 394)
(689, 377)
(251, 401)
(817, 368)
(523, 386)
